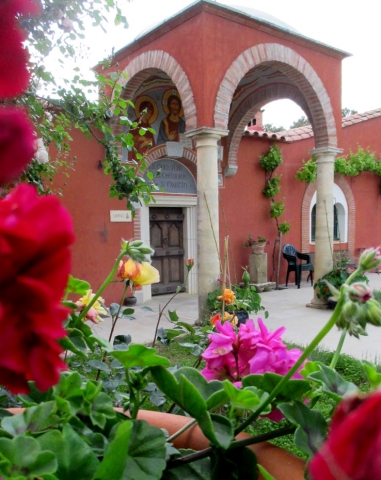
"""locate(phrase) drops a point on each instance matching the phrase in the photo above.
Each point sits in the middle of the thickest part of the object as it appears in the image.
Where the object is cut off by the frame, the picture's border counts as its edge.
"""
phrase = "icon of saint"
(146, 110)
(173, 124)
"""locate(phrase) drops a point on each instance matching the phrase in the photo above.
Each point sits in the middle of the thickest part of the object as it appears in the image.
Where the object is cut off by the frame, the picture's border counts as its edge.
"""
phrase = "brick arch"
(247, 111)
(189, 158)
(144, 65)
(294, 67)
(309, 193)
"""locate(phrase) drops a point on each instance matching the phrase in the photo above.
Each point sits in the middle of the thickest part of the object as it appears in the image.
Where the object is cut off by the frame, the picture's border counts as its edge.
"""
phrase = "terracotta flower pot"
(258, 247)
(282, 465)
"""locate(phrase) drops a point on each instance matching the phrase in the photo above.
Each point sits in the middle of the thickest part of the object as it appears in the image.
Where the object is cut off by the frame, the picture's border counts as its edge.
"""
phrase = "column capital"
(322, 151)
(207, 132)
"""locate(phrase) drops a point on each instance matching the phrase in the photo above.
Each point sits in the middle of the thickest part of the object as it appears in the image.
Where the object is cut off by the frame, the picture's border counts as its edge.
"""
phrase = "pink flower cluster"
(234, 354)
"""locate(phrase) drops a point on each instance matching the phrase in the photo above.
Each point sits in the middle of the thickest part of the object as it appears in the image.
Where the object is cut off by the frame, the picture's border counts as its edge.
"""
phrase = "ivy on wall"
(350, 166)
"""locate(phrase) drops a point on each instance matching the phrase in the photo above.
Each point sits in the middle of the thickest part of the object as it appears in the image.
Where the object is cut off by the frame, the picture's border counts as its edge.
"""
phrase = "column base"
(319, 304)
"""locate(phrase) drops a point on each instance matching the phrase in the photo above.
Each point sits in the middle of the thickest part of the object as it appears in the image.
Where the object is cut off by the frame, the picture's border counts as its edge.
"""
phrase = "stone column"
(208, 255)
(324, 215)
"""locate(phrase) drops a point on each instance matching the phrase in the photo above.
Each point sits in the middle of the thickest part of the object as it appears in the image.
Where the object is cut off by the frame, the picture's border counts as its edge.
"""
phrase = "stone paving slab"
(286, 307)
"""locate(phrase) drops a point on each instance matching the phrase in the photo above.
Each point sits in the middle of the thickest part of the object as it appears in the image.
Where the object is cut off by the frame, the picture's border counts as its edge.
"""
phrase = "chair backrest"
(289, 249)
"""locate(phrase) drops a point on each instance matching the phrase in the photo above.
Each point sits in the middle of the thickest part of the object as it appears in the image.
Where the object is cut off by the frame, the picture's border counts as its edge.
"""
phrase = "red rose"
(14, 76)
(17, 143)
(35, 234)
(352, 449)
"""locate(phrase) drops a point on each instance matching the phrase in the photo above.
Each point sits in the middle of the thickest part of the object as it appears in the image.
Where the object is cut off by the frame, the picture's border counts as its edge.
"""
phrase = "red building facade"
(202, 76)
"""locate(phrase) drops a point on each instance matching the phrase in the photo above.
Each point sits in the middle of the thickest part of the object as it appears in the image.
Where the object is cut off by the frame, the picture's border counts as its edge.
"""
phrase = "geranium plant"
(253, 241)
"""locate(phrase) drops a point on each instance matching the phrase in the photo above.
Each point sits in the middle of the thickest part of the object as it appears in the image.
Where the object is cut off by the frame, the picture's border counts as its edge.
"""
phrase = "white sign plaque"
(120, 216)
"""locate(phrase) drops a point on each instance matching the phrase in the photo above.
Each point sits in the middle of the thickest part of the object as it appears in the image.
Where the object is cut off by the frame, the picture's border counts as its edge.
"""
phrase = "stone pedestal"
(258, 267)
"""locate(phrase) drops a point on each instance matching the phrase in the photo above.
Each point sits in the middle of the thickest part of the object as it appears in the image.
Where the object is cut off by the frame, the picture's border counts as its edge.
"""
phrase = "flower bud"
(370, 258)
(359, 292)
(246, 278)
(373, 312)
(189, 264)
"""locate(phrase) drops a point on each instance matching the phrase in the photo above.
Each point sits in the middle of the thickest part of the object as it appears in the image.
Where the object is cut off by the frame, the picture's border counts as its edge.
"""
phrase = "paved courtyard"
(286, 308)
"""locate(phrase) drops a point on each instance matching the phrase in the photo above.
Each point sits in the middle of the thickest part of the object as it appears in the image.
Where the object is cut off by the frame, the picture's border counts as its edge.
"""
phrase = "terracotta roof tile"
(301, 133)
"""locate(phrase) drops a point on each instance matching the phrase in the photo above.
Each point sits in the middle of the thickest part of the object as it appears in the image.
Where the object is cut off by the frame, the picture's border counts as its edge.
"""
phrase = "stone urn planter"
(258, 247)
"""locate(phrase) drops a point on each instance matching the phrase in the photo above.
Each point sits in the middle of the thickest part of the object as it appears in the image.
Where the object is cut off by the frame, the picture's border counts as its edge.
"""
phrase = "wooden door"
(166, 238)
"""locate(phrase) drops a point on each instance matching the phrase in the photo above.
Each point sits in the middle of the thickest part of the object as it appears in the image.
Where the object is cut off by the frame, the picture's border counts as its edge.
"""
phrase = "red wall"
(86, 195)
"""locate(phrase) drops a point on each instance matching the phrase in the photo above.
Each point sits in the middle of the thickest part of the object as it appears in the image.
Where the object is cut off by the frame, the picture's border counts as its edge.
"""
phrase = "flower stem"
(315, 342)
(236, 444)
(103, 286)
(182, 430)
(118, 312)
(338, 349)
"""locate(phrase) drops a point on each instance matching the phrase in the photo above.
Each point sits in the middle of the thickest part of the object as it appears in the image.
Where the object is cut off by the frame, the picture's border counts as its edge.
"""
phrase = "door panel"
(166, 238)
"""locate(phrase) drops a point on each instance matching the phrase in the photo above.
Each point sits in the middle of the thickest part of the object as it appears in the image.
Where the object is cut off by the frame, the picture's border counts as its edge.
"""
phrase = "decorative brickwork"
(295, 68)
(151, 62)
(189, 158)
(250, 107)
(309, 193)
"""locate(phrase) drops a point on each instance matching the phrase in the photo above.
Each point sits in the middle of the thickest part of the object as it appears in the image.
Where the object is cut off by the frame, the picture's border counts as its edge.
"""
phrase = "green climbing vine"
(350, 166)
(270, 162)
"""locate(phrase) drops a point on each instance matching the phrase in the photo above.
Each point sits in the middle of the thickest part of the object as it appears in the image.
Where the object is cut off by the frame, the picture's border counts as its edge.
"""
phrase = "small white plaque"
(120, 216)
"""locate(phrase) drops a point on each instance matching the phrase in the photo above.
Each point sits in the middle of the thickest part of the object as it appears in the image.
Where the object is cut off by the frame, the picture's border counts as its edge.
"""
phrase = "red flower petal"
(16, 143)
(14, 76)
(35, 235)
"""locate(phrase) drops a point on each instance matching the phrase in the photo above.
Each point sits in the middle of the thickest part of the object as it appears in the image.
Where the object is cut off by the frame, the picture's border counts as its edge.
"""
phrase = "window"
(340, 216)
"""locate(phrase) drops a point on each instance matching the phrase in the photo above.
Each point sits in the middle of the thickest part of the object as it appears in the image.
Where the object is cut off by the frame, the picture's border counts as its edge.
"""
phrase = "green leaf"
(374, 377)
(98, 365)
(312, 427)
(173, 315)
(189, 389)
(33, 419)
(241, 398)
(113, 309)
(122, 340)
(75, 457)
(77, 286)
(187, 327)
(265, 474)
(332, 383)
(74, 343)
(140, 356)
(293, 389)
(137, 452)
(199, 470)
(147, 309)
(26, 458)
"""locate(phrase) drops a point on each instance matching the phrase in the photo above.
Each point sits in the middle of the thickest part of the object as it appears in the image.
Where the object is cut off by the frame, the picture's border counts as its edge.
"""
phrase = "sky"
(349, 25)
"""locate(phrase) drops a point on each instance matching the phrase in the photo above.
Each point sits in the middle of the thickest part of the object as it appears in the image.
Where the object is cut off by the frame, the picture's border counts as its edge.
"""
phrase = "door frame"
(189, 205)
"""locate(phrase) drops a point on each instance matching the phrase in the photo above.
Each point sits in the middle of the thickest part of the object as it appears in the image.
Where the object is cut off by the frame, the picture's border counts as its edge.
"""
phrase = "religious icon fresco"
(146, 113)
(158, 106)
(173, 124)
